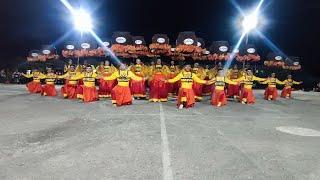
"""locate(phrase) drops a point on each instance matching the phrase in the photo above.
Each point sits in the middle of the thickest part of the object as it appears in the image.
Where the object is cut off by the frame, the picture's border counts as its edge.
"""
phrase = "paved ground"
(52, 138)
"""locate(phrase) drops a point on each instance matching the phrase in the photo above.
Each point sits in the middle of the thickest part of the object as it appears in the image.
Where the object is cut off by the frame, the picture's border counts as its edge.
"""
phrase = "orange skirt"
(186, 97)
(34, 87)
(89, 94)
(218, 96)
(138, 88)
(105, 87)
(248, 95)
(69, 91)
(197, 88)
(271, 91)
(48, 90)
(121, 95)
(285, 92)
(173, 88)
(158, 89)
(207, 89)
(233, 90)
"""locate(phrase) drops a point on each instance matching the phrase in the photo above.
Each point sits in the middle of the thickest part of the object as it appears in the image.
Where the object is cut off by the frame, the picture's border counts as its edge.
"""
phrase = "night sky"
(293, 25)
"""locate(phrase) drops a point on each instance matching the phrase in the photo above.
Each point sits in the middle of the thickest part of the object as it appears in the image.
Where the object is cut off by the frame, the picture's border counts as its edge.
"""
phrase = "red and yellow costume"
(106, 86)
(286, 91)
(138, 88)
(197, 87)
(247, 95)
(233, 89)
(49, 88)
(89, 91)
(173, 88)
(70, 87)
(158, 88)
(271, 92)
(121, 94)
(35, 85)
(209, 74)
(218, 97)
(186, 94)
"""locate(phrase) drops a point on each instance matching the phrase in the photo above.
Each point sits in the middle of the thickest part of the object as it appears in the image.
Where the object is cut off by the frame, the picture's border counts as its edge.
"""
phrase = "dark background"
(293, 25)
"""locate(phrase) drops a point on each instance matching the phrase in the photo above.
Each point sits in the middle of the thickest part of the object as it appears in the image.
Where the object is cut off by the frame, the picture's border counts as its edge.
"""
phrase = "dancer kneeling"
(186, 96)
(121, 94)
(71, 81)
(89, 91)
(218, 97)
(35, 85)
(247, 80)
(49, 88)
(271, 92)
(288, 83)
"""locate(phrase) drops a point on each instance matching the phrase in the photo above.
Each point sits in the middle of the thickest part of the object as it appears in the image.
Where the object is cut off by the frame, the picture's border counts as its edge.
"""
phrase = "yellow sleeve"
(175, 79)
(265, 82)
(27, 75)
(63, 76)
(279, 82)
(113, 76)
(230, 82)
(255, 78)
(42, 76)
(197, 79)
(295, 82)
(134, 77)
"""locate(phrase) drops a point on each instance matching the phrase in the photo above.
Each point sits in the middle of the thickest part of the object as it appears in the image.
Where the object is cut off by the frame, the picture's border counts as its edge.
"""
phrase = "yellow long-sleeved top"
(88, 78)
(36, 76)
(72, 77)
(174, 69)
(50, 78)
(106, 70)
(288, 83)
(220, 82)
(233, 74)
(139, 70)
(187, 79)
(123, 77)
(199, 72)
(272, 82)
(247, 80)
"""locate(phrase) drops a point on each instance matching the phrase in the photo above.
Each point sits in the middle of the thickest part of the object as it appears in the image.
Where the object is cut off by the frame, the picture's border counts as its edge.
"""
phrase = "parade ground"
(54, 138)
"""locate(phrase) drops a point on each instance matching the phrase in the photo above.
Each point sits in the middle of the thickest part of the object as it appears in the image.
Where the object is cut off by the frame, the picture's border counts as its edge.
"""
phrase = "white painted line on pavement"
(166, 161)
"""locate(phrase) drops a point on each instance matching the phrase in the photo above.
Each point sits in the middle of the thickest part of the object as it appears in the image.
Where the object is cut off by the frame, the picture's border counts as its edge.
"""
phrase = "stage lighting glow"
(250, 22)
(82, 21)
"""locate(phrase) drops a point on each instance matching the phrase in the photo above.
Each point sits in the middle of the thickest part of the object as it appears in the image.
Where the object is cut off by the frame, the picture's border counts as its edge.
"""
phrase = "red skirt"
(233, 90)
(48, 90)
(138, 88)
(286, 92)
(69, 91)
(34, 87)
(89, 93)
(105, 87)
(197, 88)
(248, 95)
(207, 89)
(158, 89)
(121, 95)
(218, 96)
(186, 97)
(173, 88)
(271, 91)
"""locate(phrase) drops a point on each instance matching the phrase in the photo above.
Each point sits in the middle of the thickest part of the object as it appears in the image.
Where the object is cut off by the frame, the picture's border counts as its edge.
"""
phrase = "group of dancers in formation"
(125, 83)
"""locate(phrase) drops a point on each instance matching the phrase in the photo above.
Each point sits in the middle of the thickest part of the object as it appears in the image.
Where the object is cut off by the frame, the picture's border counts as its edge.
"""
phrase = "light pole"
(82, 22)
(249, 23)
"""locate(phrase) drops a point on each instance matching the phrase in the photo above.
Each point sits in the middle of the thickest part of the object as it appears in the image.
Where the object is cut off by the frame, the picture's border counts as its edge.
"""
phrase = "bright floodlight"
(250, 22)
(82, 20)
